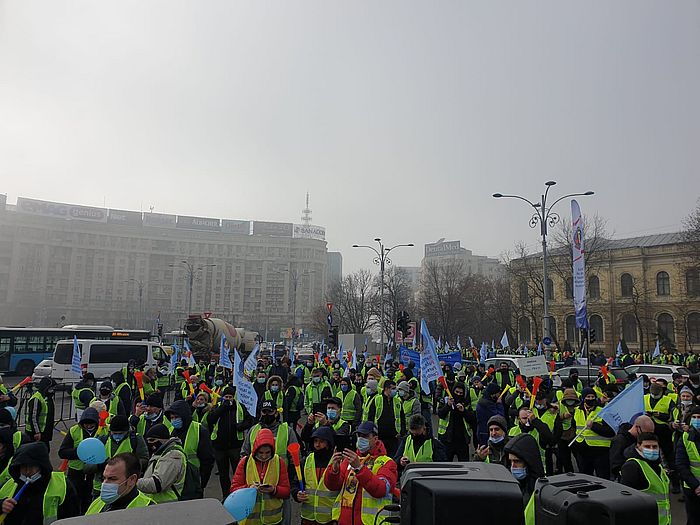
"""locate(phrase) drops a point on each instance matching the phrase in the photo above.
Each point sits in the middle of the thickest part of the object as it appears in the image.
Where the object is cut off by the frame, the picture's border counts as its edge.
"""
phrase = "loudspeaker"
(455, 493)
(209, 511)
(578, 499)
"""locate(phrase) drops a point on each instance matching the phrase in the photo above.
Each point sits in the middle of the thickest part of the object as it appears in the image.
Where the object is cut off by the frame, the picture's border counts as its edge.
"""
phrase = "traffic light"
(160, 329)
(333, 336)
(402, 322)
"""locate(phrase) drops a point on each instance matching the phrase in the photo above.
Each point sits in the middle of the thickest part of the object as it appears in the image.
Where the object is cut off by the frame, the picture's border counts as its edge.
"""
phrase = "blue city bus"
(21, 349)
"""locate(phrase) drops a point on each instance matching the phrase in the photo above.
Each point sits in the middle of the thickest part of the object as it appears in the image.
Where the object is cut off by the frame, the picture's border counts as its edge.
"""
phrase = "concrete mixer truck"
(204, 335)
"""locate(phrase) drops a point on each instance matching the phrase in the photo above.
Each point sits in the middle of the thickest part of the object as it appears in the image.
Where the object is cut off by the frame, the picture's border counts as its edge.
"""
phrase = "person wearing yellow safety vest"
(525, 464)
(594, 437)
(643, 471)
(282, 432)
(228, 422)
(366, 478)
(417, 446)
(77, 473)
(148, 414)
(39, 416)
(267, 472)
(293, 400)
(368, 391)
(195, 439)
(316, 499)
(528, 422)
(410, 404)
(567, 406)
(455, 423)
(494, 452)
(121, 439)
(329, 417)
(164, 478)
(318, 390)
(9, 442)
(351, 411)
(49, 496)
(687, 462)
(547, 410)
(274, 391)
(118, 489)
(122, 389)
(83, 392)
(504, 376)
(201, 406)
(659, 405)
(106, 394)
(386, 412)
(576, 383)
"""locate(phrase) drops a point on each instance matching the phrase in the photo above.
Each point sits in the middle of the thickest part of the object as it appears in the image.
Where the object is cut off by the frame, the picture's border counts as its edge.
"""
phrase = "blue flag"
(539, 348)
(625, 407)
(75, 361)
(483, 353)
(429, 364)
(291, 356)
(618, 352)
(471, 343)
(224, 357)
(657, 350)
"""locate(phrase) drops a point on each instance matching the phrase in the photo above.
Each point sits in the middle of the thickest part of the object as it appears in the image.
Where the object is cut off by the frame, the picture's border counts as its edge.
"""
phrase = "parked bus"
(21, 349)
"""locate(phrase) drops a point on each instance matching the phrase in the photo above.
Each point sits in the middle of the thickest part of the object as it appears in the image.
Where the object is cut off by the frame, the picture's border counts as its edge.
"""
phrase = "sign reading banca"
(442, 248)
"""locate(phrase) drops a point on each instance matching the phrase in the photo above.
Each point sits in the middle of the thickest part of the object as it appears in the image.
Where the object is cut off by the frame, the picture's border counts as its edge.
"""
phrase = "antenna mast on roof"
(306, 212)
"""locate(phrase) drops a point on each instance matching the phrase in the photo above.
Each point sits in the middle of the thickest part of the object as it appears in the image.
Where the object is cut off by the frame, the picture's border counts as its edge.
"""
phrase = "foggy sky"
(400, 118)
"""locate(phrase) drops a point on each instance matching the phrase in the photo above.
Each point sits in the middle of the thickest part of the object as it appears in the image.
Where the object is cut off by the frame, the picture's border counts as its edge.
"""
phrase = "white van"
(103, 357)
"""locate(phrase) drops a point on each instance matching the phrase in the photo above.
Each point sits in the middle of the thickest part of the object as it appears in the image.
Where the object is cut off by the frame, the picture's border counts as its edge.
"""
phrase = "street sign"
(330, 320)
(547, 340)
(329, 306)
(533, 366)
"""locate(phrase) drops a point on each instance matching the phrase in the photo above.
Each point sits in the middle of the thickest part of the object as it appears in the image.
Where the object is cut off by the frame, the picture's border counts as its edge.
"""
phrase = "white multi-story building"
(72, 264)
(452, 251)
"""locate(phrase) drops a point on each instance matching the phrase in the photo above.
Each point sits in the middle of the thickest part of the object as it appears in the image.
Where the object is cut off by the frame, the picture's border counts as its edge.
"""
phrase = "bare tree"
(355, 304)
(397, 297)
(442, 297)
(691, 233)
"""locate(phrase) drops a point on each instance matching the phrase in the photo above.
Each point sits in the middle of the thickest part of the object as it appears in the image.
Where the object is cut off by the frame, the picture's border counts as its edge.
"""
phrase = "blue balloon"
(92, 451)
(12, 412)
(240, 503)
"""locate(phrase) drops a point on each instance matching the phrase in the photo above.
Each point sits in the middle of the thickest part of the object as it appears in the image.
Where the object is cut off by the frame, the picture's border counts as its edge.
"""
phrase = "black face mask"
(268, 419)
(590, 402)
(419, 439)
(153, 447)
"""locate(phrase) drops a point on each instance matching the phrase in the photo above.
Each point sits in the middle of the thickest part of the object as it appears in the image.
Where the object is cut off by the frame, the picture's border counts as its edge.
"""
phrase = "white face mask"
(30, 479)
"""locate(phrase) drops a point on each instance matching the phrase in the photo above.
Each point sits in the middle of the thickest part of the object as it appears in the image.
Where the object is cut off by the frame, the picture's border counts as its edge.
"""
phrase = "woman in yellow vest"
(316, 499)
(49, 496)
(643, 471)
(267, 472)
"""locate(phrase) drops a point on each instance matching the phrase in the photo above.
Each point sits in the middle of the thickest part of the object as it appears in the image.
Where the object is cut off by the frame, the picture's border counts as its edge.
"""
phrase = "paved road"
(213, 490)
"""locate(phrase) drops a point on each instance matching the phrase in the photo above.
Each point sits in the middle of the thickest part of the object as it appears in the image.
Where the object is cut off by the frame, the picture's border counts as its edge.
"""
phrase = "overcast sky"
(400, 118)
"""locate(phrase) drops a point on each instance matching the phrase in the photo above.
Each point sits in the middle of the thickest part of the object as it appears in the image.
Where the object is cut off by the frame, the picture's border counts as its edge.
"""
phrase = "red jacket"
(264, 437)
(376, 485)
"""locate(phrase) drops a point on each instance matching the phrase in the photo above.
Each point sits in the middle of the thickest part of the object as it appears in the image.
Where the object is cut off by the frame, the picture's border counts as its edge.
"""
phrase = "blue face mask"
(274, 388)
(176, 423)
(651, 455)
(519, 473)
(331, 413)
(392, 392)
(109, 492)
(344, 388)
(695, 423)
(363, 444)
(118, 437)
(496, 439)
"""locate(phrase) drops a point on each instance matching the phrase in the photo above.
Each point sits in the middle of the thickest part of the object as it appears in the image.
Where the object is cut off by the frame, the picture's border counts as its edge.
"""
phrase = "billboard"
(439, 249)
(61, 211)
(309, 231)
(127, 218)
(238, 227)
(273, 229)
(198, 223)
(159, 220)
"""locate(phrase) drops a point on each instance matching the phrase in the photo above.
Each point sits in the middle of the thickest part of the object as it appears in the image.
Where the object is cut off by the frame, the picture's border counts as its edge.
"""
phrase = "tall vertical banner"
(579, 267)
(245, 393)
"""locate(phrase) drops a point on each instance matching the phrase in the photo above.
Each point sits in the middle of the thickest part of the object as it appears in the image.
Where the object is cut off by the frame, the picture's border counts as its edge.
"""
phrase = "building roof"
(644, 241)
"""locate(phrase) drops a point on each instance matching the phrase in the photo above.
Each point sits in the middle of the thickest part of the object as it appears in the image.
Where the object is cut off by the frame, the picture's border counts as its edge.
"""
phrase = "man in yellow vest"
(316, 499)
(195, 439)
(77, 473)
(118, 490)
(525, 464)
(528, 422)
(39, 415)
(659, 405)
(688, 464)
(594, 437)
(643, 471)
(267, 472)
(164, 478)
(49, 496)
(366, 478)
(417, 446)
(385, 411)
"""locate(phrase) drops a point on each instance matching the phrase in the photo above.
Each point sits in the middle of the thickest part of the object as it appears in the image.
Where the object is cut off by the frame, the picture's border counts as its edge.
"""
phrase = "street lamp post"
(294, 277)
(192, 271)
(545, 217)
(382, 260)
(140, 285)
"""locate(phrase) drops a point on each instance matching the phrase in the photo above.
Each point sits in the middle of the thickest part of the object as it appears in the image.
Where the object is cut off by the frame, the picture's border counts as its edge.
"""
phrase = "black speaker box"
(578, 499)
(456, 493)
(209, 511)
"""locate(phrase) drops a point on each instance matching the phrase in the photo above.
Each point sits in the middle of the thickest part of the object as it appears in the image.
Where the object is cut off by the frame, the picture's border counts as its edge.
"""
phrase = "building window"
(594, 287)
(626, 285)
(569, 288)
(596, 323)
(571, 330)
(663, 284)
(692, 281)
(666, 329)
(524, 329)
(694, 328)
(524, 293)
(550, 289)
(553, 328)
(629, 328)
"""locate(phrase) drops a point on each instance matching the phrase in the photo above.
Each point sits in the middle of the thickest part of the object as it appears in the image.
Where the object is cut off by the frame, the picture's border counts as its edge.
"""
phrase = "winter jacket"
(223, 417)
(164, 470)
(205, 452)
(525, 447)
(264, 437)
(377, 485)
(485, 410)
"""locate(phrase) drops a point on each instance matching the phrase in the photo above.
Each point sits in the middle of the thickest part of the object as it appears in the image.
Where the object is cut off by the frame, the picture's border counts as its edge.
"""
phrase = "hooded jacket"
(264, 437)
(68, 449)
(205, 452)
(224, 416)
(525, 447)
(486, 408)
(377, 485)
(30, 508)
(164, 469)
